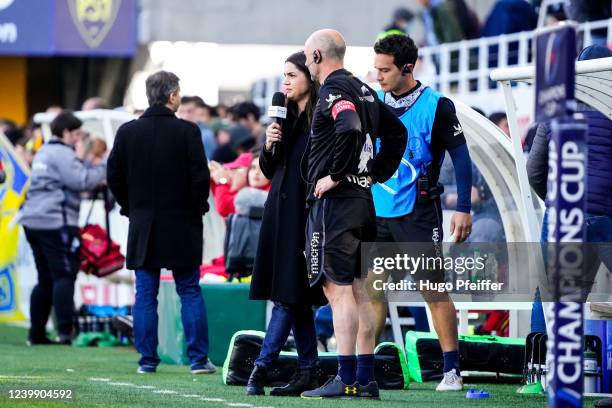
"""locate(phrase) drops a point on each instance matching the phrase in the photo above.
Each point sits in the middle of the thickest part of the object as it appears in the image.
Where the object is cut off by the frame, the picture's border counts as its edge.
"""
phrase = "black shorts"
(334, 232)
(423, 227)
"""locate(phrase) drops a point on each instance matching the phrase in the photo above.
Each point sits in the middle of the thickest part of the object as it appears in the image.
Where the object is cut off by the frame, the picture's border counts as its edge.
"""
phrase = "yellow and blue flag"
(12, 195)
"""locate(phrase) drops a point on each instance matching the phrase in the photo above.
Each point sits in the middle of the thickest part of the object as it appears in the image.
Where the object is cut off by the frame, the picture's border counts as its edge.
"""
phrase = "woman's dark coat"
(279, 273)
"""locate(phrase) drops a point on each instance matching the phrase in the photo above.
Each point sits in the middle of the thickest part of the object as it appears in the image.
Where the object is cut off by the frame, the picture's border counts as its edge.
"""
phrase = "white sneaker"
(450, 382)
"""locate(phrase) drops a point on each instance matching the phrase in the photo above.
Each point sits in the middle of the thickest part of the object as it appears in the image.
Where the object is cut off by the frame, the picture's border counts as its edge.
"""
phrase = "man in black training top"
(341, 169)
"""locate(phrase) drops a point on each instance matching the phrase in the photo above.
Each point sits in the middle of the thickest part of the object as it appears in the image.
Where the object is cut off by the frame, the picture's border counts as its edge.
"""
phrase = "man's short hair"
(244, 109)
(497, 117)
(196, 100)
(401, 47)
(160, 86)
(64, 121)
(335, 49)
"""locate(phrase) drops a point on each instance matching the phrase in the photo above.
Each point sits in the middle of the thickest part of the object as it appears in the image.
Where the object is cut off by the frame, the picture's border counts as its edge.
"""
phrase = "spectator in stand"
(510, 16)
(448, 21)
(230, 178)
(205, 113)
(10, 129)
(240, 141)
(221, 111)
(555, 14)
(191, 109)
(94, 149)
(501, 121)
(50, 220)
(402, 20)
(591, 10)
(93, 103)
(247, 114)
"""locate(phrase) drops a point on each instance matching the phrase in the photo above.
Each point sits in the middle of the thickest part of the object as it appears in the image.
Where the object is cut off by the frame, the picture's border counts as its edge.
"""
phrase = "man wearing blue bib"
(408, 204)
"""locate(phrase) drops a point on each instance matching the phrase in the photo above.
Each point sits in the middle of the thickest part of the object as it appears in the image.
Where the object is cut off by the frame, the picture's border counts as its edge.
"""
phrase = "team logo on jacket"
(367, 96)
(457, 129)
(331, 98)
(367, 154)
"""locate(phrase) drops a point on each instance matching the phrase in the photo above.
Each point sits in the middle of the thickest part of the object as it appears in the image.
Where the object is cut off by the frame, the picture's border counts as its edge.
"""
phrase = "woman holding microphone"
(279, 273)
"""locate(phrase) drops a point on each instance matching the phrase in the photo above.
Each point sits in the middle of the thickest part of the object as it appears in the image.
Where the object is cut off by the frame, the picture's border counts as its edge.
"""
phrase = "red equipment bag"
(100, 256)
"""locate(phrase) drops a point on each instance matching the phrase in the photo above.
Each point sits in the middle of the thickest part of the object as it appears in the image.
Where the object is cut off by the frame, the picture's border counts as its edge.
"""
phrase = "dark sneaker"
(333, 388)
(255, 386)
(206, 368)
(369, 391)
(302, 380)
(144, 369)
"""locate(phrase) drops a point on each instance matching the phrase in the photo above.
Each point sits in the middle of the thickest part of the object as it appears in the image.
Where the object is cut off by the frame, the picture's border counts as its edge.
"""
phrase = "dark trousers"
(57, 258)
(284, 319)
(193, 316)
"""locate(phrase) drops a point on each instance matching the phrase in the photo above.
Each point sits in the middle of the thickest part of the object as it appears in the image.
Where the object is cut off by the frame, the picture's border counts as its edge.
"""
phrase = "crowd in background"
(446, 21)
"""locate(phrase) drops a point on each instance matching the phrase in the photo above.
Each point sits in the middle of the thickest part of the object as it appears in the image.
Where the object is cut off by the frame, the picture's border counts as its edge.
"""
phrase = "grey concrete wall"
(267, 21)
(262, 21)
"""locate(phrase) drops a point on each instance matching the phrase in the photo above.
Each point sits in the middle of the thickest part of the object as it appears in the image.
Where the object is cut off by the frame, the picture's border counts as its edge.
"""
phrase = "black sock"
(347, 369)
(365, 368)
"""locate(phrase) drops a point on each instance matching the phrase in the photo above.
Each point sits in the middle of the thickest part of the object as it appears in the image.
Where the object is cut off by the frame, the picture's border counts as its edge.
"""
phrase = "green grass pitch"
(106, 377)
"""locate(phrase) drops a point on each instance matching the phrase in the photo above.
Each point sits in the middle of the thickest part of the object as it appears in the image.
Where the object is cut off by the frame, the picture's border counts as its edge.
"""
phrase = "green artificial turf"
(106, 377)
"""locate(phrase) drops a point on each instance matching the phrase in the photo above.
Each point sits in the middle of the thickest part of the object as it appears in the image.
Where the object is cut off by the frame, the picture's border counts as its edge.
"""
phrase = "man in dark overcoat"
(158, 173)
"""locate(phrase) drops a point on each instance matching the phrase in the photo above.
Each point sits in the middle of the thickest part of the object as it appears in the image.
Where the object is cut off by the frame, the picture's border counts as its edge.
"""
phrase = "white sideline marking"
(167, 392)
(164, 392)
(20, 377)
(122, 384)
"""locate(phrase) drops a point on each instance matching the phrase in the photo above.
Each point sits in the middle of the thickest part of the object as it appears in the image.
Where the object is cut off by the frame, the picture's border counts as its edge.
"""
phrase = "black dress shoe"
(255, 386)
(302, 380)
(43, 341)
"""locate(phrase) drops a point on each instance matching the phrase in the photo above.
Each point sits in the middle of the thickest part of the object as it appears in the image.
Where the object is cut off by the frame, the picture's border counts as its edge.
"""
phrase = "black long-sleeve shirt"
(347, 121)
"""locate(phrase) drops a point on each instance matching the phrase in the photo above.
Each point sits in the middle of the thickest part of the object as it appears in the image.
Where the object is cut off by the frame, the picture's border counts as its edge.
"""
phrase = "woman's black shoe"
(43, 341)
(255, 386)
(302, 380)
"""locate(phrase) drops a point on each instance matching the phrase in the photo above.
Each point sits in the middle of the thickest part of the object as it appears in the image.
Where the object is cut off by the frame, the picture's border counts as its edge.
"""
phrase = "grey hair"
(333, 48)
(160, 86)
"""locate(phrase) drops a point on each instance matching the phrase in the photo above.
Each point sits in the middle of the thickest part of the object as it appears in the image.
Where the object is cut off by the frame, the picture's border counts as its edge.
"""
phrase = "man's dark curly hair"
(402, 48)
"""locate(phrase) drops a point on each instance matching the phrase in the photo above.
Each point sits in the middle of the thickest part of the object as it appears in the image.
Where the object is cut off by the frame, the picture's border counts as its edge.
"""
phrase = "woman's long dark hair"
(299, 60)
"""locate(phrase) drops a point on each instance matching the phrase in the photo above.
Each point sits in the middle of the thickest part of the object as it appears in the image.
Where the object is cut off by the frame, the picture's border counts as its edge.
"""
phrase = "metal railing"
(464, 67)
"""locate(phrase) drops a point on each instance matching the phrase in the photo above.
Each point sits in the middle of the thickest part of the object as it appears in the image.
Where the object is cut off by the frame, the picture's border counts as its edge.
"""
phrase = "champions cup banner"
(68, 27)
(555, 72)
(566, 263)
(565, 256)
(12, 196)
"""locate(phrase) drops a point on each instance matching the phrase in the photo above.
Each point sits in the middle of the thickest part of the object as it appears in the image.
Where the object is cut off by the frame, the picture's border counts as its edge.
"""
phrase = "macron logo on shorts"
(341, 106)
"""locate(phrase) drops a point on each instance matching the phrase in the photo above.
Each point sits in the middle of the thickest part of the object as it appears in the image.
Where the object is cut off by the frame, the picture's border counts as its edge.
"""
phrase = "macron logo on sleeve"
(341, 106)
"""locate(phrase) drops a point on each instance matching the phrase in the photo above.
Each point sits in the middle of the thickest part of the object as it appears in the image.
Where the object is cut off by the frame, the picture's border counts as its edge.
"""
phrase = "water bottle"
(591, 371)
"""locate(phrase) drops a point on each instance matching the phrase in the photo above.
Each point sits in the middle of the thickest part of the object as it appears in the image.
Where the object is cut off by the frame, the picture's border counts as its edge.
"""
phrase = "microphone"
(277, 111)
